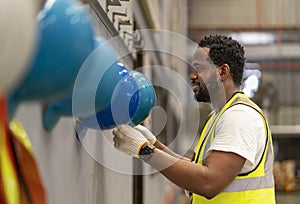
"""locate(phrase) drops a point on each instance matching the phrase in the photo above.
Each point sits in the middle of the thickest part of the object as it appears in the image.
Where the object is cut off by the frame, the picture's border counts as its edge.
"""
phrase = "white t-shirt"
(246, 136)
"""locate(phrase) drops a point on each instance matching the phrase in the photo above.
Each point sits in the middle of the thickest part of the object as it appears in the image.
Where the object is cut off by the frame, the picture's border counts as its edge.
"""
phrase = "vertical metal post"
(137, 183)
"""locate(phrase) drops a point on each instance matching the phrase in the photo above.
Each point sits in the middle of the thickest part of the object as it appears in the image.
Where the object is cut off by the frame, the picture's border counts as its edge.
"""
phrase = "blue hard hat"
(147, 97)
(132, 101)
(66, 39)
(93, 88)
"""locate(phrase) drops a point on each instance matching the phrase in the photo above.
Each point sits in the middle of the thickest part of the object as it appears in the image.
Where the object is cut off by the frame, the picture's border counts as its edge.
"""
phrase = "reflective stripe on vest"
(258, 181)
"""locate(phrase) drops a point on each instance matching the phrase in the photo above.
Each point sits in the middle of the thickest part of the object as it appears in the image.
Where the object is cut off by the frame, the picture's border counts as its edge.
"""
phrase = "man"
(234, 158)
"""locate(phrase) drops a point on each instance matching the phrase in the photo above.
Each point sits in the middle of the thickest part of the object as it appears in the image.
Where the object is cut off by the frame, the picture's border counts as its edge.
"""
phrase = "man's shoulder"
(242, 112)
(241, 108)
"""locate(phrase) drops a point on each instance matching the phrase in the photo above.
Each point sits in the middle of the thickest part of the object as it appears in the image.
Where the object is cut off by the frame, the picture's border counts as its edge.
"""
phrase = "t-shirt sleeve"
(239, 131)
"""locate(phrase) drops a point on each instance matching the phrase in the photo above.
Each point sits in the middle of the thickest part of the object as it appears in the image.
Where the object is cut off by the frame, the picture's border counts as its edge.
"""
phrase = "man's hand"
(129, 140)
(147, 133)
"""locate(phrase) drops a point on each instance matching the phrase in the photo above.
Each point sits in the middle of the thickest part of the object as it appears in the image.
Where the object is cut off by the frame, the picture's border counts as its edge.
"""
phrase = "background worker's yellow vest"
(254, 187)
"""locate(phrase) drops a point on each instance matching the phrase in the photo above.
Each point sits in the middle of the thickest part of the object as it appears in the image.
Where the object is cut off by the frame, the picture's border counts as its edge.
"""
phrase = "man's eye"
(199, 68)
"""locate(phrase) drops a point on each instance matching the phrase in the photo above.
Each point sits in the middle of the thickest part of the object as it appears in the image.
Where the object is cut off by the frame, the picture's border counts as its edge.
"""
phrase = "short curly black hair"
(225, 50)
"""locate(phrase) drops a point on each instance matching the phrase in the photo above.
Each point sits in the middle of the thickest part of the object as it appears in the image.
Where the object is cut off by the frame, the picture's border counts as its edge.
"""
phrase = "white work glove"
(188, 194)
(147, 133)
(129, 140)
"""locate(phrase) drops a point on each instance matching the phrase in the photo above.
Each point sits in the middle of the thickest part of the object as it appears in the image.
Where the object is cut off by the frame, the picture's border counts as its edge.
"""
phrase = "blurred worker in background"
(233, 162)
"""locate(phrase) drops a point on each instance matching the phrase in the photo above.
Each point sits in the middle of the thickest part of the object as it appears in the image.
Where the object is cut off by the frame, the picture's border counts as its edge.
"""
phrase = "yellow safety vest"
(20, 179)
(254, 187)
(9, 185)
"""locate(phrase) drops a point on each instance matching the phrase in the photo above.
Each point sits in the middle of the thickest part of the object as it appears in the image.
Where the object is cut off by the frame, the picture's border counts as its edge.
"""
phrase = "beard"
(202, 95)
(205, 95)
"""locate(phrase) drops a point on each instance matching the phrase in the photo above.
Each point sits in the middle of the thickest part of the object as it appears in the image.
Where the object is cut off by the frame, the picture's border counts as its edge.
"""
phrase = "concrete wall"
(69, 170)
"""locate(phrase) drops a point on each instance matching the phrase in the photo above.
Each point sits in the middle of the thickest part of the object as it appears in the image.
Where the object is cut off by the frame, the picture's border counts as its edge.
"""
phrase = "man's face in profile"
(204, 78)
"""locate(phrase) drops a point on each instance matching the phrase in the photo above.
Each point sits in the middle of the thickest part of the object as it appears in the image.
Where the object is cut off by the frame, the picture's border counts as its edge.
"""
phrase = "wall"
(69, 171)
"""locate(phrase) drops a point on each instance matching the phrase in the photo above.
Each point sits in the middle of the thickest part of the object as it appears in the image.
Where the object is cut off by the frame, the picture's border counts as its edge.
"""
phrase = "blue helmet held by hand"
(131, 103)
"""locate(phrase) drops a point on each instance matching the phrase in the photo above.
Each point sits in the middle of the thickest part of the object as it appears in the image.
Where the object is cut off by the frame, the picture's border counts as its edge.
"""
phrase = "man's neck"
(222, 97)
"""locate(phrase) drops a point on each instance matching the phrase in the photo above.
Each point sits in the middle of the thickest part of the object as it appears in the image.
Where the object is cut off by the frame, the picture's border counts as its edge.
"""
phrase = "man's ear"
(224, 72)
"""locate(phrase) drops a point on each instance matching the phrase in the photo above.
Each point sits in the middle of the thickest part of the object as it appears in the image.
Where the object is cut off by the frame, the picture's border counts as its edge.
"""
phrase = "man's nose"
(193, 76)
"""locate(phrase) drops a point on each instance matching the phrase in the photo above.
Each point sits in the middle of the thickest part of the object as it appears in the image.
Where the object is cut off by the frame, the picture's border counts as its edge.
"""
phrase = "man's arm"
(154, 141)
(218, 171)
(164, 148)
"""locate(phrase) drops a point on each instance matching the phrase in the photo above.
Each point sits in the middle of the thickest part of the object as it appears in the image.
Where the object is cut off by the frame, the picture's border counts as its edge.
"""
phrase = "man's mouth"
(195, 87)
